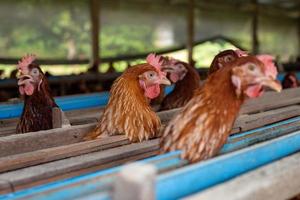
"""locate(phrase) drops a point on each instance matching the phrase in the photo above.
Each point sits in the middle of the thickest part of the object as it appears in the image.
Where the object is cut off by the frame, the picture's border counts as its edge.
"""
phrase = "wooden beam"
(190, 30)
(47, 170)
(22, 143)
(254, 28)
(102, 180)
(298, 27)
(57, 153)
(95, 25)
(47, 153)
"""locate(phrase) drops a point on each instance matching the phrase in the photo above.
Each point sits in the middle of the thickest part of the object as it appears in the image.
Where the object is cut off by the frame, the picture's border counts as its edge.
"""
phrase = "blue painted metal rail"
(210, 172)
(65, 103)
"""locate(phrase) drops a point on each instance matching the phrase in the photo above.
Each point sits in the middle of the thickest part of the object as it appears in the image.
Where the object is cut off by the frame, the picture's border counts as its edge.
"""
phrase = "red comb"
(25, 61)
(240, 53)
(270, 68)
(155, 60)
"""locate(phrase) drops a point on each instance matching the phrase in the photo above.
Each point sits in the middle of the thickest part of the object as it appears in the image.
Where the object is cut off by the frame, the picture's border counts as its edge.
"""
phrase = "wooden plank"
(56, 118)
(22, 160)
(254, 28)
(27, 142)
(272, 100)
(34, 173)
(190, 30)
(74, 174)
(249, 122)
(278, 180)
(234, 143)
(95, 24)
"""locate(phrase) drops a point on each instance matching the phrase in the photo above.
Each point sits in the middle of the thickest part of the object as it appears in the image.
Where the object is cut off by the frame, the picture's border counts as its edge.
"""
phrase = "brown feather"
(128, 111)
(37, 111)
(204, 124)
(219, 61)
(183, 90)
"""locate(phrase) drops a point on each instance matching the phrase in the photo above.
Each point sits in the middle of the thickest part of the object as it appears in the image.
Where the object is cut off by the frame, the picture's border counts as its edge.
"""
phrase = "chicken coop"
(144, 100)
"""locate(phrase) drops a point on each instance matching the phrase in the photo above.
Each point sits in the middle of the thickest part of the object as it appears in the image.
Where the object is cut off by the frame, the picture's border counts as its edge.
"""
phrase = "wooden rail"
(102, 181)
(43, 156)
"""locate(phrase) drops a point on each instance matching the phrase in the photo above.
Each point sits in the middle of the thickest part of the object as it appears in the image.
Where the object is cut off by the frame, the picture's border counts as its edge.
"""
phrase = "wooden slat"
(163, 164)
(27, 142)
(34, 173)
(56, 153)
(278, 180)
(56, 117)
(272, 100)
(22, 143)
(248, 122)
(95, 168)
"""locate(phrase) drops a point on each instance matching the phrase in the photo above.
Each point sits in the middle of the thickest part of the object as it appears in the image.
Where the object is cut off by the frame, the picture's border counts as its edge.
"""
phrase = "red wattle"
(254, 91)
(152, 91)
(174, 77)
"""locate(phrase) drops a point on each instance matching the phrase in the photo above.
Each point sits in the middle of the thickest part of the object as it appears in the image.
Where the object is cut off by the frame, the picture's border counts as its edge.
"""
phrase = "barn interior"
(83, 47)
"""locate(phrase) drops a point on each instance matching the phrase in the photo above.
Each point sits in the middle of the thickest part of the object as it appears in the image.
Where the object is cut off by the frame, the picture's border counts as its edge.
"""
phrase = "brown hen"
(38, 101)
(204, 124)
(186, 79)
(128, 111)
(290, 81)
(224, 58)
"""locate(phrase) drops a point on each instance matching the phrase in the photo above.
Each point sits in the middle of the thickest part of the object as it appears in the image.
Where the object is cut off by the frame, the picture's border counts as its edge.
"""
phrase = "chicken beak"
(164, 81)
(272, 84)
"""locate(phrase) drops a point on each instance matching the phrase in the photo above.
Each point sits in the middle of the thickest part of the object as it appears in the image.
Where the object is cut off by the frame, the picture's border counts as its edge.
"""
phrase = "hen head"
(225, 57)
(31, 76)
(175, 69)
(290, 80)
(150, 79)
(250, 75)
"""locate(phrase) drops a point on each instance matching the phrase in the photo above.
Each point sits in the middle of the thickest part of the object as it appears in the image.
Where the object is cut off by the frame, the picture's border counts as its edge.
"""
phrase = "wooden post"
(135, 182)
(95, 25)
(190, 30)
(59, 119)
(255, 41)
(298, 37)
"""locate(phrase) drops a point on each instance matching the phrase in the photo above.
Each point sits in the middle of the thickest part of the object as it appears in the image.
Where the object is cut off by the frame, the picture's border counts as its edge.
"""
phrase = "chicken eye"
(151, 75)
(181, 67)
(251, 67)
(228, 58)
(35, 72)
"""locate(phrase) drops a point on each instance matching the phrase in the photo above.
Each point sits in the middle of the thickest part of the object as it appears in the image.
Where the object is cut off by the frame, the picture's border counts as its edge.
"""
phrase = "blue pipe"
(197, 177)
(67, 103)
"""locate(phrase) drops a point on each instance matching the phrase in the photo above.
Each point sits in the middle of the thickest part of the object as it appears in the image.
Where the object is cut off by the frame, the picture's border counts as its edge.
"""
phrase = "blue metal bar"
(65, 103)
(280, 76)
(84, 184)
(197, 177)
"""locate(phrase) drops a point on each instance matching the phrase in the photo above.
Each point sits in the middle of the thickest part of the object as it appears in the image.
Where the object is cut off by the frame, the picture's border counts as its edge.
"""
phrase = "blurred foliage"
(60, 29)
(203, 55)
(125, 39)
